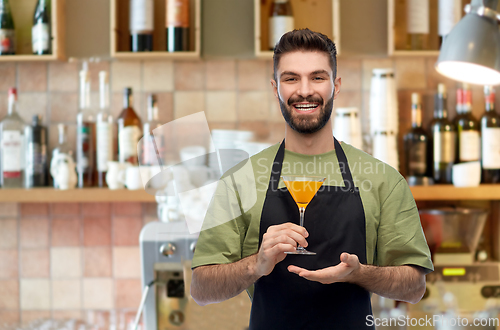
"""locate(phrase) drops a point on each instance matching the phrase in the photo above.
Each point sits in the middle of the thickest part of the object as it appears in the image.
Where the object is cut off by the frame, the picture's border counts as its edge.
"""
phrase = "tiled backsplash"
(61, 260)
(233, 93)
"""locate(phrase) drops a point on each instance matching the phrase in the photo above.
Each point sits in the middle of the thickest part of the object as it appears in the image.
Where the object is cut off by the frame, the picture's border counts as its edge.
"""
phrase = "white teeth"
(306, 106)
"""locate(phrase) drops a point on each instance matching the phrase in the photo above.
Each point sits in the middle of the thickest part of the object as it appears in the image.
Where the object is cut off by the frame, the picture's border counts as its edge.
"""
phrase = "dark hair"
(305, 39)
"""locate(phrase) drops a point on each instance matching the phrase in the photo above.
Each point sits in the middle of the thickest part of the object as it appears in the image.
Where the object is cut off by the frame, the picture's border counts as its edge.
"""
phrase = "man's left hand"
(344, 271)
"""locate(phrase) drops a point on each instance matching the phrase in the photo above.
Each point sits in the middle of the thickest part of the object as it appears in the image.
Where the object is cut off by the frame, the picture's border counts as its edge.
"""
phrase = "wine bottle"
(177, 25)
(153, 142)
(490, 139)
(417, 19)
(129, 130)
(85, 135)
(449, 13)
(281, 21)
(12, 146)
(469, 143)
(36, 154)
(141, 25)
(416, 141)
(41, 30)
(444, 139)
(104, 134)
(7, 30)
(63, 146)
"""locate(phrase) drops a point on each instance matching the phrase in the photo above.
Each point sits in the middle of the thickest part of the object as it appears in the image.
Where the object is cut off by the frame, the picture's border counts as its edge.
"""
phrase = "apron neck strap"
(280, 155)
(276, 169)
(344, 165)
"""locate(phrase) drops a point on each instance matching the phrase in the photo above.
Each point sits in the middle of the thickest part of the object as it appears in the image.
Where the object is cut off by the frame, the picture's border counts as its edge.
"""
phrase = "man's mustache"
(309, 99)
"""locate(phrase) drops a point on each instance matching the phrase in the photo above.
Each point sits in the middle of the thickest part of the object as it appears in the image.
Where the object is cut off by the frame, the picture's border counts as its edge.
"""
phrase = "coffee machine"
(464, 282)
(167, 249)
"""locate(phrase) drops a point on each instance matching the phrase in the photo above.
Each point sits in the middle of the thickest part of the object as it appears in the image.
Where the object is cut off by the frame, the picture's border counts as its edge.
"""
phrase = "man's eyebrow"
(291, 73)
(320, 72)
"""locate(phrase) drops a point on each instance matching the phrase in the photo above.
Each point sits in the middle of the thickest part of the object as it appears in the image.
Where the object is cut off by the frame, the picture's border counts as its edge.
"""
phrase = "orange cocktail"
(302, 189)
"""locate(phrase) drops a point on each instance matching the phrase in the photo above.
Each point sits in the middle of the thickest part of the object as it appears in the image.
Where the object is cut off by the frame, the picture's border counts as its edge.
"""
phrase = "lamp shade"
(471, 51)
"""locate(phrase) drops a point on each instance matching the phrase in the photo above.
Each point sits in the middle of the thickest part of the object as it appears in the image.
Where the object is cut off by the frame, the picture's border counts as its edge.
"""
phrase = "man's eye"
(318, 78)
(290, 79)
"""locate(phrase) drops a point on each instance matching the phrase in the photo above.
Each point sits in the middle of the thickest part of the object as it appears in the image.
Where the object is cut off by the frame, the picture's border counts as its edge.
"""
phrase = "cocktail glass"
(303, 189)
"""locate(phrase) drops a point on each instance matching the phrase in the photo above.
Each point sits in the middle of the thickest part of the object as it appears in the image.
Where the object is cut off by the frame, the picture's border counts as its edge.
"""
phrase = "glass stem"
(302, 210)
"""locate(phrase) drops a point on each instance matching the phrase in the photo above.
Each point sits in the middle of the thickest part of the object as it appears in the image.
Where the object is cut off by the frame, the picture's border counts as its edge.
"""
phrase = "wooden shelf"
(322, 16)
(89, 195)
(29, 58)
(157, 56)
(396, 19)
(449, 192)
(22, 11)
(120, 35)
(86, 195)
(416, 53)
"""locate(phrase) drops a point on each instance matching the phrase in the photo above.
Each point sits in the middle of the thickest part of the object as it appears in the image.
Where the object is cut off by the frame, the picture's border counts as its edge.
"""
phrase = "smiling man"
(363, 223)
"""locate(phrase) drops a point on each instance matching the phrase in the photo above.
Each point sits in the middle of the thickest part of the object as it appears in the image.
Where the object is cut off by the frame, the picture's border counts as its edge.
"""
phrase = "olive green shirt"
(394, 235)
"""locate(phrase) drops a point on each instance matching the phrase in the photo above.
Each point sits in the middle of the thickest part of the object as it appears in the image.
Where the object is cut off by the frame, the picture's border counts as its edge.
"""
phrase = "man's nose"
(305, 88)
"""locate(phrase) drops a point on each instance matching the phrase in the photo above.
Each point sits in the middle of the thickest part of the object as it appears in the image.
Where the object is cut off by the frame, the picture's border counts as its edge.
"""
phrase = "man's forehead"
(304, 62)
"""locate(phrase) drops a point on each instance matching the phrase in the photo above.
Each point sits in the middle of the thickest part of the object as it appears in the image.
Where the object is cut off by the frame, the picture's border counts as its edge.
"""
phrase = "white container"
(385, 148)
(383, 102)
(347, 126)
(466, 174)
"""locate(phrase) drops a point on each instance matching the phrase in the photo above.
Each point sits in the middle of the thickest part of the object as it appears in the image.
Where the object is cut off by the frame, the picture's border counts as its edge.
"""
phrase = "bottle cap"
(103, 76)
(37, 119)
(127, 91)
(415, 98)
(13, 90)
(442, 89)
(151, 99)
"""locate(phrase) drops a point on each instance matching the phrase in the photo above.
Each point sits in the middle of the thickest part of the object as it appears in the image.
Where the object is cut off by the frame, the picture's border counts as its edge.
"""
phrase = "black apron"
(335, 221)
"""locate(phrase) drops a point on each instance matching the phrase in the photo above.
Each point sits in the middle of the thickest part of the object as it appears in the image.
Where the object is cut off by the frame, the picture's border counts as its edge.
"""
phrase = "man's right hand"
(275, 242)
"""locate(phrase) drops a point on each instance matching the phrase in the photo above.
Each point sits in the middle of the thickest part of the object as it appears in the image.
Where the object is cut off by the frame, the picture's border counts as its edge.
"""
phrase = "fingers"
(275, 242)
(324, 276)
(350, 259)
(288, 225)
(285, 232)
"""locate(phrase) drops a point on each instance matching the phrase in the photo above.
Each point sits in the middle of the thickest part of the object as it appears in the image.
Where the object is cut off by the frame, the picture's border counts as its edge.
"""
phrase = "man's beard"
(304, 124)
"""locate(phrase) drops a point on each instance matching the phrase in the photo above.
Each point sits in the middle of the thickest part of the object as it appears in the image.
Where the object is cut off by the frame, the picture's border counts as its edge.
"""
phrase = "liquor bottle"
(7, 30)
(153, 142)
(85, 135)
(40, 32)
(281, 21)
(104, 135)
(129, 130)
(177, 25)
(490, 139)
(416, 141)
(63, 147)
(141, 25)
(469, 142)
(12, 146)
(444, 139)
(417, 19)
(36, 154)
(449, 13)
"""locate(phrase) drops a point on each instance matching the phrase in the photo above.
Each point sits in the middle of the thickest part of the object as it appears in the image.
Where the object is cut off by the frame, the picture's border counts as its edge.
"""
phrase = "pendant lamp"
(471, 51)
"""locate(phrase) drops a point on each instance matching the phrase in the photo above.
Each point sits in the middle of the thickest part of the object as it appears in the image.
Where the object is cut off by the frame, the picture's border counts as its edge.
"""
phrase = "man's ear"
(337, 84)
(274, 84)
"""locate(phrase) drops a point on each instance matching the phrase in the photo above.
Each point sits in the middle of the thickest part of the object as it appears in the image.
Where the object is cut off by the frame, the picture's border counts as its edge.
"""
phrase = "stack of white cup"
(347, 126)
(384, 116)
